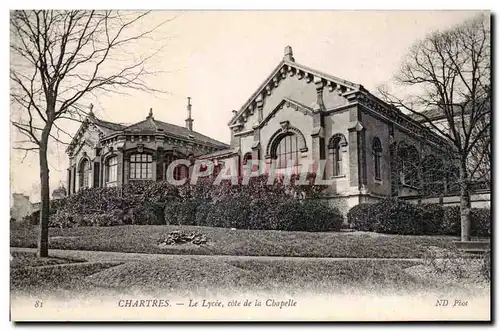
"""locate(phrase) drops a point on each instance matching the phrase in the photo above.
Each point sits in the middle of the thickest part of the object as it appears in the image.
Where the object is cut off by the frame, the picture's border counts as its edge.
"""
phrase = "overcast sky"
(220, 58)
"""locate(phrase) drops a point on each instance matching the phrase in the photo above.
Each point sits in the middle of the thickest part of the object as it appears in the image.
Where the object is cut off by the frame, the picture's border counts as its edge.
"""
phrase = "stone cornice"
(87, 122)
(393, 115)
(166, 137)
(286, 103)
(291, 69)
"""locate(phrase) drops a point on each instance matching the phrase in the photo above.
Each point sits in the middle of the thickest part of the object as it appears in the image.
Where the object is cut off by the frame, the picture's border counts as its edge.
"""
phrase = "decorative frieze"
(395, 116)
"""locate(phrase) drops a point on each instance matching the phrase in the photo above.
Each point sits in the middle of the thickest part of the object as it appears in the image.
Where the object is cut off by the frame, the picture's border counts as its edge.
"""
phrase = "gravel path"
(99, 256)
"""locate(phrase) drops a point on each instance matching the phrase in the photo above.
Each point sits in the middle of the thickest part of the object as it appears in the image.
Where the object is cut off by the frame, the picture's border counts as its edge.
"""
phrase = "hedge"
(282, 206)
(395, 216)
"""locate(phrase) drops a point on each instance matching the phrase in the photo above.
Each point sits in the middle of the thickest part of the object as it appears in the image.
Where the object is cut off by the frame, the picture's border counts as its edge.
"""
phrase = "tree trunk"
(465, 212)
(43, 238)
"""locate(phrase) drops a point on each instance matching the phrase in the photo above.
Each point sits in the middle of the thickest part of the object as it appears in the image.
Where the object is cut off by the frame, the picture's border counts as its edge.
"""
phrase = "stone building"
(372, 149)
(297, 113)
(21, 206)
(109, 154)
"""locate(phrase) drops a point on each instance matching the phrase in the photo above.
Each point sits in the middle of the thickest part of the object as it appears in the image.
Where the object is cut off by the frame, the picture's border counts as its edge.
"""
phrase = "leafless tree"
(59, 58)
(449, 73)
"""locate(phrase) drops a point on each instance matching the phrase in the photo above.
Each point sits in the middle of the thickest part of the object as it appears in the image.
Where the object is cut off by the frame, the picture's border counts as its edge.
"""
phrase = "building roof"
(153, 126)
(352, 91)
(220, 154)
(108, 127)
(288, 62)
(148, 126)
(439, 113)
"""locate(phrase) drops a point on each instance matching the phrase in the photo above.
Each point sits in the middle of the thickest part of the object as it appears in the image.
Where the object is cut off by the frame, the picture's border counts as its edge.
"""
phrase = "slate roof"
(151, 125)
(108, 127)
(221, 153)
(148, 126)
(436, 114)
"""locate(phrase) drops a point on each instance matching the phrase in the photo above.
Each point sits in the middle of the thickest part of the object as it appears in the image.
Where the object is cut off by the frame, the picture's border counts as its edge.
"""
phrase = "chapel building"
(373, 150)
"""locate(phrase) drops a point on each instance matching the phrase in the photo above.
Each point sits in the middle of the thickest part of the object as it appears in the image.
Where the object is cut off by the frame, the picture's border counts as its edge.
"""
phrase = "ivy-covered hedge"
(281, 206)
(398, 217)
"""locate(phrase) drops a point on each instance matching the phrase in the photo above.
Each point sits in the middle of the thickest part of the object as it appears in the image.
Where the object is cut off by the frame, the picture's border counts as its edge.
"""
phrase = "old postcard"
(250, 165)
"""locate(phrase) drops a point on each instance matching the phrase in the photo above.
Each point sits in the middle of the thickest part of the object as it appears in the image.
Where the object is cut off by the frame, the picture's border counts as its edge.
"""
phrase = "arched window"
(85, 173)
(111, 170)
(141, 166)
(410, 163)
(377, 154)
(286, 148)
(337, 142)
(181, 171)
(433, 175)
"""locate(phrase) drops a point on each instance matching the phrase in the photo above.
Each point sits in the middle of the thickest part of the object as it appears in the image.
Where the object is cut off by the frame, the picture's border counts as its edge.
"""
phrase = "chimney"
(189, 120)
(288, 54)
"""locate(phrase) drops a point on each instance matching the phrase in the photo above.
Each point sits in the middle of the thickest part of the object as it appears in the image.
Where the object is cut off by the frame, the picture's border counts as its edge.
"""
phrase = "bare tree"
(449, 73)
(58, 58)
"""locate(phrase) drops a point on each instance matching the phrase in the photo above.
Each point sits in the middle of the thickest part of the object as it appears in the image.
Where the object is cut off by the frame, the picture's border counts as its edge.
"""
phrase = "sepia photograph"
(250, 165)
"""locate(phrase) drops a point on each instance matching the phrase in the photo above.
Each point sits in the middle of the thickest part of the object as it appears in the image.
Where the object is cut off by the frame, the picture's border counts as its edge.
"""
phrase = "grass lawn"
(193, 276)
(28, 260)
(210, 277)
(30, 275)
(221, 241)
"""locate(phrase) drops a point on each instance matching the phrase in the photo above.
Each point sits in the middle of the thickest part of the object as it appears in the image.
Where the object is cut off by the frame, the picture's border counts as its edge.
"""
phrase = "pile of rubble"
(179, 237)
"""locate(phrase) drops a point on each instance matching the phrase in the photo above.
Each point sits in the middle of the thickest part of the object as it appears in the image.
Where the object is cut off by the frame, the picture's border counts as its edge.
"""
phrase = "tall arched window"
(377, 154)
(337, 142)
(410, 164)
(85, 173)
(287, 148)
(394, 168)
(111, 170)
(141, 166)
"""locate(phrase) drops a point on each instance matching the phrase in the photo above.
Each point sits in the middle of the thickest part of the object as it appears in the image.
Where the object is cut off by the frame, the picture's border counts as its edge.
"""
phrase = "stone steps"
(473, 246)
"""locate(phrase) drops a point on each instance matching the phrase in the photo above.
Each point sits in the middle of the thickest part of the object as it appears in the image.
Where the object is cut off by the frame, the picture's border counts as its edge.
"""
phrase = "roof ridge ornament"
(150, 115)
(288, 54)
(91, 113)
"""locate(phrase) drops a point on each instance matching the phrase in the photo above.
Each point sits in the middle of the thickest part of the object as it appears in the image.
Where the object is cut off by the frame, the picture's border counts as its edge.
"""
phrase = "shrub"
(315, 215)
(143, 215)
(180, 212)
(101, 219)
(229, 212)
(397, 217)
(360, 218)
(62, 219)
(451, 221)
(33, 218)
(432, 218)
(281, 206)
(481, 222)
(394, 216)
